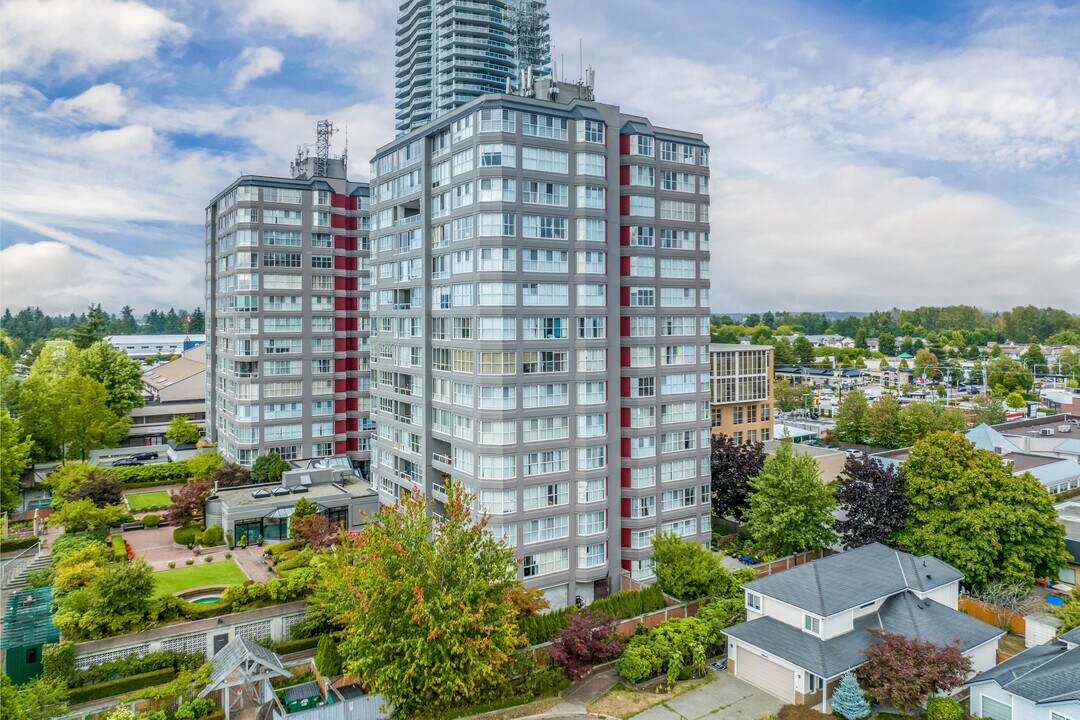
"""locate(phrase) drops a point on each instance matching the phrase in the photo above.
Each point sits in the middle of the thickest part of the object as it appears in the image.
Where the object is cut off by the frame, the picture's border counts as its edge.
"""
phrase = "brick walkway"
(252, 563)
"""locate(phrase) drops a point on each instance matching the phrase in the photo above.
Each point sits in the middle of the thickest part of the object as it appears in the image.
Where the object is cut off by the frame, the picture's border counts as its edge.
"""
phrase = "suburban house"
(808, 626)
(1041, 683)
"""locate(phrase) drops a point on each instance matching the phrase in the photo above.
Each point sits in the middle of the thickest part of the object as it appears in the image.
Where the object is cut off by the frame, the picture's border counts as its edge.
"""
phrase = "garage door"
(991, 708)
(766, 674)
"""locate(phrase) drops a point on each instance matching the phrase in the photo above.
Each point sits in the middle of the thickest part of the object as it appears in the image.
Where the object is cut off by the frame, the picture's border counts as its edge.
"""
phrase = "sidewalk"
(583, 693)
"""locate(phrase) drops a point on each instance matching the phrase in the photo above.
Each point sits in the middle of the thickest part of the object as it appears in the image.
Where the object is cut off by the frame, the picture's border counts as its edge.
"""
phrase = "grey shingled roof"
(853, 578)
(902, 614)
(1044, 673)
(1073, 636)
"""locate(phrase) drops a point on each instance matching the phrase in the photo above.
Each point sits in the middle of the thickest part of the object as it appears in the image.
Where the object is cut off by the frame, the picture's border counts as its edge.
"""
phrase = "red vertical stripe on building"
(624, 174)
(624, 144)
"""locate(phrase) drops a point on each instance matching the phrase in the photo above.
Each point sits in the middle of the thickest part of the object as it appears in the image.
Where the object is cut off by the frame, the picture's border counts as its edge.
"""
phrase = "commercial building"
(173, 389)
(540, 299)
(741, 402)
(144, 347)
(450, 52)
(287, 314)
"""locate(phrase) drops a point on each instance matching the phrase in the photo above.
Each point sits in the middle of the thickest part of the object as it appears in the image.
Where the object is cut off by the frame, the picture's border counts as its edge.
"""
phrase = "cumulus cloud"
(333, 20)
(256, 62)
(75, 37)
(100, 104)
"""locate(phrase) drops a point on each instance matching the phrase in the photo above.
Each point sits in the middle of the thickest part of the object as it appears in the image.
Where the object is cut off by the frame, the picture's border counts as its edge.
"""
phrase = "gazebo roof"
(28, 619)
(239, 654)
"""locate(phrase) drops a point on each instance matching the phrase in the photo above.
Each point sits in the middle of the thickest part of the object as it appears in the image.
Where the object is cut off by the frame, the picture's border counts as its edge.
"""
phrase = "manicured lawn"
(184, 577)
(145, 501)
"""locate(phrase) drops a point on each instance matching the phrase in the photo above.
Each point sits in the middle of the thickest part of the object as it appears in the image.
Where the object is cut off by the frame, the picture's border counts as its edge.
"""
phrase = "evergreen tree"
(804, 350)
(327, 657)
(849, 701)
(93, 329)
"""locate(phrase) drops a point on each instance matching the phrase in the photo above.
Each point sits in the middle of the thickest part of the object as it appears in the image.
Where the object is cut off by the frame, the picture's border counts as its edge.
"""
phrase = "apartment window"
(643, 507)
(275, 217)
(591, 230)
(592, 393)
(642, 266)
(462, 162)
(544, 227)
(281, 259)
(590, 491)
(322, 365)
(641, 145)
(463, 328)
(281, 238)
(440, 174)
(592, 262)
(678, 297)
(498, 398)
(282, 411)
(592, 328)
(535, 192)
(591, 523)
(590, 164)
(497, 432)
(497, 121)
(322, 262)
(463, 361)
(498, 363)
(683, 528)
(496, 294)
(496, 155)
(678, 181)
(642, 326)
(677, 152)
(543, 126)
(549, 395)
(677, 383)
(498, 190)
(643, 447)
(495, 224)
(544, 529)
(678, 499)
(590, 295)
(497, 467)
(589, 426)
(678, 210)
(463, 195)
(544, 160)
(590, 131)
(592, 458)
(644, 356)
(641, 236)
(546, 261)
(642, 297)
(591, 360)
(643, 417)
(544, 328)
(642, 538)
(642, 175)
(642, 206)
(462, 129)
(545, 563)
(591, 196)
(498, 328)
(753, 601)
(544, 362)
(643, 477)
(549, 428)
(676, 470)
(548, 294)
(497, 259)
(643, 387)
(541, 496)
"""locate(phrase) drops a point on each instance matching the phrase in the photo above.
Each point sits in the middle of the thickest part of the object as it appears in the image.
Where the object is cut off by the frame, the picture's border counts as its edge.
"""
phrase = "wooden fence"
(988, 614)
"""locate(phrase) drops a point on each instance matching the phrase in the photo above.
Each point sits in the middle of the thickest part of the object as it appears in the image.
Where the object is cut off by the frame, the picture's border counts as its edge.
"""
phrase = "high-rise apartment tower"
(540, 334)
(450, 52)
(287, 314)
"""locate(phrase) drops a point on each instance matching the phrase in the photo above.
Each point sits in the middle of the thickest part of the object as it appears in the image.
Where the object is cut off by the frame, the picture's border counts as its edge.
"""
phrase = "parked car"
(127, 461)
(145, 456)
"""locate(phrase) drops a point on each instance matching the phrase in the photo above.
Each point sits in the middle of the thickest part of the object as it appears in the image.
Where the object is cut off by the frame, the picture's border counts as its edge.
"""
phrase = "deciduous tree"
(423, 611)
(1008, 600)
(852, 421)
(588, 639)
(99, 489)
(987, 408)
(883, 422)
(790, 508)
(187, 502)
(788, 396)
(919, 419)
(1015, 400)
(733, 465)
(690, 571)
(268, 468)
(182, 431)
(230, 475)
(873, 500)
(82, 515)
(118, 374)
(115, 601)
(968, 509)
(316, 531)
(15, 450)
(905, 672)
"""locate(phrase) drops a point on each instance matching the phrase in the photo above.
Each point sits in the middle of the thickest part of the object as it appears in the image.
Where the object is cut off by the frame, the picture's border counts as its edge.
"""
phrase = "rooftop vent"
(1046, 432)
(1064, 428)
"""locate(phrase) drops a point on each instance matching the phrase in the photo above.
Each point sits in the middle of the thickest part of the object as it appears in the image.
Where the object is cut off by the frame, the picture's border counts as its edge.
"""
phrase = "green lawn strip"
(219, 572)
(144, 501)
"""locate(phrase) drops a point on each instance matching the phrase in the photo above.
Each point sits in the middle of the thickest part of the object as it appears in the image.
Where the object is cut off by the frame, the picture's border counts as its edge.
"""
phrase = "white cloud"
(81, 36)
(864, 238)
(100, 104)
(257, 62)
(333, 20)
(69, 272)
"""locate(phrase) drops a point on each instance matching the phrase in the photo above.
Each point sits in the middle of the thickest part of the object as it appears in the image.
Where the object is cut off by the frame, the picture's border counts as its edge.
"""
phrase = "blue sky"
(864, 154)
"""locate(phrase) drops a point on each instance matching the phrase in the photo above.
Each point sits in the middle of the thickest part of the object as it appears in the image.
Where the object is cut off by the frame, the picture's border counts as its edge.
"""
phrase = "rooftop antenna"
(580, 68)
(323, 131)
(345, 155)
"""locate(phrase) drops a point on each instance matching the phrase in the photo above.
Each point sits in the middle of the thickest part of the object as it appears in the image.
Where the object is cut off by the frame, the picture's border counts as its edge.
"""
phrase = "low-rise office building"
(143, 347)
(173, 389)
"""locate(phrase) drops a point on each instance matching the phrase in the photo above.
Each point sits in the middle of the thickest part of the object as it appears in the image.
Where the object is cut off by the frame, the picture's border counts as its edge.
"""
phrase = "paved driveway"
(726, 698)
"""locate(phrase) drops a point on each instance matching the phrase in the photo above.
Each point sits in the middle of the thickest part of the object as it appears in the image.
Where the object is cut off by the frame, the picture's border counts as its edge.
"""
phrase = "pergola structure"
(242, 671)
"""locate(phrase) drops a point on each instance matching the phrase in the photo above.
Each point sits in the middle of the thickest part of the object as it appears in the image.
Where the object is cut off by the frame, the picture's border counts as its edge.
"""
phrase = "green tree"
(36, 700)
(848, 701)
(887, 344)
(788, 396)
(1015, 400)
(969, 510)
(66, 478)
(883, 422)
(15, 450)
(783, 353)
(804, 350)
(988, 409)
(68, 417)
(852, 419)
(1033, 358)
(926, 363)
(83, 515)
(182, 431)
(115, 601)
(790, 508)
(268, 468)
(860, 339)
(919, 419)
(327, 657)
(97, 324)
(687, 570)
(304, 508)
(203, 465)
(1004, 376)
(118, 374)
(424, 612)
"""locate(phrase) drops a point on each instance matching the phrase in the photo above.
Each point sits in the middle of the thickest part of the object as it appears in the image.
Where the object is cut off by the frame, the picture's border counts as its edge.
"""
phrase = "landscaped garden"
(156, 500)
(199, 574)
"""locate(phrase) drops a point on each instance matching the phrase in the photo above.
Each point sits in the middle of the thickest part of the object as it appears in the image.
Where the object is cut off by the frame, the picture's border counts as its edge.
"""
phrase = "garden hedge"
(10, 544)
(173, 471)
(119, 549)
(623, 605)
(187, 534)
(291, 646)
(133, 665)
(151, 520)
(121, 686)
